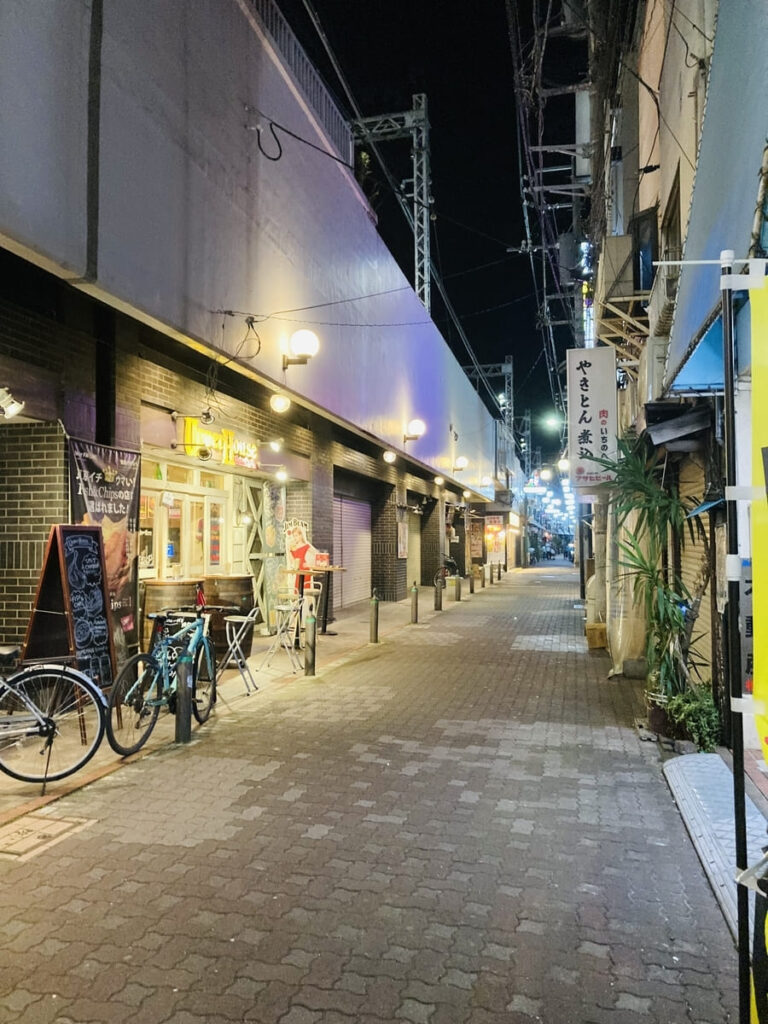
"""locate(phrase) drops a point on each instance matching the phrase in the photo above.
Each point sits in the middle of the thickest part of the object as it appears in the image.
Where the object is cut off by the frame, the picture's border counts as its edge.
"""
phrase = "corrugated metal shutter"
(352, 549)
(693, 566)
(414, 549)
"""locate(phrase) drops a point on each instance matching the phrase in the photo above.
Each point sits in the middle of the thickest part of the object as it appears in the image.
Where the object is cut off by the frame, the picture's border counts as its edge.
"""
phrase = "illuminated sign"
(592, 416)
(228, 449)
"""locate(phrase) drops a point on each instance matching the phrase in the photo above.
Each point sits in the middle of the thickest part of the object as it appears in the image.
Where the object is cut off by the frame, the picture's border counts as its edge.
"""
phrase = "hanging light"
(279, 402)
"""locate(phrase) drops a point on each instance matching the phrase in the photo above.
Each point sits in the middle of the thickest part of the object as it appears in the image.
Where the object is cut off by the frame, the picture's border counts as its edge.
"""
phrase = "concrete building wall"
(186, 216)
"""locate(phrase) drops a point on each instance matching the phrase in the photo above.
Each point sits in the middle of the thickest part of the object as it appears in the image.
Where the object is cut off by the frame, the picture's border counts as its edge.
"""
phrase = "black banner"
(104, 491)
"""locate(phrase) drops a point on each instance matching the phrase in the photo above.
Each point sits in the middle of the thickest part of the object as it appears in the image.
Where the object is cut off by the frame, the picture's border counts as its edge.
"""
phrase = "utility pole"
(413, 123)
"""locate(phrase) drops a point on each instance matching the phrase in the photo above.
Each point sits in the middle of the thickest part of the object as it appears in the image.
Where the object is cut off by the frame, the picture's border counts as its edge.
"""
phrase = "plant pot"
(658, 720)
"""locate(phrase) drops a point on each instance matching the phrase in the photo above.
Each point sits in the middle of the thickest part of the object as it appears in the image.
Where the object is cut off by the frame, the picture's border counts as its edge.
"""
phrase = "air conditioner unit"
(651, 372)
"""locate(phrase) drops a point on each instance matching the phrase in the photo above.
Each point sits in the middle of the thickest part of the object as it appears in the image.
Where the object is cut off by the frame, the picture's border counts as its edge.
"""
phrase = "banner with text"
(592, 416)
(104, 491)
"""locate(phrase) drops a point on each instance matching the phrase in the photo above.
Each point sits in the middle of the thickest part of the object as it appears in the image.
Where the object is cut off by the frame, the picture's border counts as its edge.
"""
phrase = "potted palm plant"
(640, 486)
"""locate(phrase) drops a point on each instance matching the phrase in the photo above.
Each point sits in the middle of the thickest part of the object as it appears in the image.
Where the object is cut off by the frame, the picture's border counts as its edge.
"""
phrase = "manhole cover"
(22, 839)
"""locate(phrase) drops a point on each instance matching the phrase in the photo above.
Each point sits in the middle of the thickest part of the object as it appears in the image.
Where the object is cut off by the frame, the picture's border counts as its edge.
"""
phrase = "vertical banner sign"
(592, 417)
(758, 300)
(104, 491)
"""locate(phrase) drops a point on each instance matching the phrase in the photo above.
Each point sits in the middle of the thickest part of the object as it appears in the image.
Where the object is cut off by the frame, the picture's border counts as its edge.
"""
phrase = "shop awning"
(703, 371)
(730, 156)
(706, 506)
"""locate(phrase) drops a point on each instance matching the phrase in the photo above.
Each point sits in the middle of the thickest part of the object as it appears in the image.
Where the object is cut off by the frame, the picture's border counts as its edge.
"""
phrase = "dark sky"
(458, 53)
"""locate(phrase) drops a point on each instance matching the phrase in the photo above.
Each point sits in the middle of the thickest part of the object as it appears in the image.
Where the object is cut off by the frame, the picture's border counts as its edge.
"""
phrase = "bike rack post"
(374, 624)
(439, 596)
(310, 644)
(184, 698)
(414, 603)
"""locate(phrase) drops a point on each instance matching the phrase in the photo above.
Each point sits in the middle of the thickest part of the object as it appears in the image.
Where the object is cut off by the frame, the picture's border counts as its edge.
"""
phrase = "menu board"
(71, 617)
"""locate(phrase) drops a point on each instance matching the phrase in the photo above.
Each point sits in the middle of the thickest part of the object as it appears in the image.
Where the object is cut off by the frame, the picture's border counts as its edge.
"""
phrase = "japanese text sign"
(592, 418)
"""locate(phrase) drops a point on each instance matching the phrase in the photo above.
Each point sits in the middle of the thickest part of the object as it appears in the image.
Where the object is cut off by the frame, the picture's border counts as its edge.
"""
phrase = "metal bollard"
(310, 644)
(438, 597)
(472, 582)
(482, 576)
(184, 698)
(374, 628)
(490, 572)
(499, 568)
(457, 588)
(414, 603)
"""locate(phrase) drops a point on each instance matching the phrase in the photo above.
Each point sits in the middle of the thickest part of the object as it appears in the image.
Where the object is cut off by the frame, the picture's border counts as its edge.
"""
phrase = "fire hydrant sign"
(592, 417)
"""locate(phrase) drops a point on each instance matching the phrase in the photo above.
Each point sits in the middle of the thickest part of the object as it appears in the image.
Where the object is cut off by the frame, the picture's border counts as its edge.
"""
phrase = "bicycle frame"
(161, 652)
(25, 727)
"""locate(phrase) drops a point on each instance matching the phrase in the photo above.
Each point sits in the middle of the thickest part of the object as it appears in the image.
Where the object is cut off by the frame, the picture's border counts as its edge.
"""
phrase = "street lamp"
(302, 345)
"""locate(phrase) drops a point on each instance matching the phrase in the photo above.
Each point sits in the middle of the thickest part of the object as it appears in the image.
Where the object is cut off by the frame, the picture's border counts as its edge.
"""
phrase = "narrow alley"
(460, 824)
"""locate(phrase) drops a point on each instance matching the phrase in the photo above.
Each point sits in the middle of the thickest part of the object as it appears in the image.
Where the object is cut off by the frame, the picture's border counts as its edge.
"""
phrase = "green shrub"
(695, 713)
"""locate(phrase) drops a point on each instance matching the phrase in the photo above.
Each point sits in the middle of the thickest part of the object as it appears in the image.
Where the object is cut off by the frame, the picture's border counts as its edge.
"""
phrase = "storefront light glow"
(389, 457)
(281, 475)
(439, 480)
(279, 403)
(303, 344)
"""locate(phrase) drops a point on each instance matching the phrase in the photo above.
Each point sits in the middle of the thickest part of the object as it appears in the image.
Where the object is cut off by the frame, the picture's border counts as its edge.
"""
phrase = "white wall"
(193, 218)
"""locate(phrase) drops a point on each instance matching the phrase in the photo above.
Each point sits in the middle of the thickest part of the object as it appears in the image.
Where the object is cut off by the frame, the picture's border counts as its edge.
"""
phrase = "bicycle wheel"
(72, 712)
(134, 704)
(204, 680)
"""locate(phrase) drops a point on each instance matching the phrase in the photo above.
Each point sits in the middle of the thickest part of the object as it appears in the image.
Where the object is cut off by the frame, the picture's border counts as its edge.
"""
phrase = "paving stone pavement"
(459, 824)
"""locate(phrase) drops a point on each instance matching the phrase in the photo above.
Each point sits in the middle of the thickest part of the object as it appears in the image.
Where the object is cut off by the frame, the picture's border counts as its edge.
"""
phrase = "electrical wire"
(274, 126)
(371, 144)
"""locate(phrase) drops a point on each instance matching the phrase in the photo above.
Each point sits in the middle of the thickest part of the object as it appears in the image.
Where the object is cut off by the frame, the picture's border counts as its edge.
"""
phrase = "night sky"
(458, 53)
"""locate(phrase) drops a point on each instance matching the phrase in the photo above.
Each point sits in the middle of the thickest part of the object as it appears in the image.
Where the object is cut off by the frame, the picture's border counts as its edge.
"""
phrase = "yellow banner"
(759, 509)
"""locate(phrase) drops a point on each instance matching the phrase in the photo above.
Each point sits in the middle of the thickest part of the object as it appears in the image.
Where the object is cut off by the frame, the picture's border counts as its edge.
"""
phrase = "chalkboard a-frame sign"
(71, 614)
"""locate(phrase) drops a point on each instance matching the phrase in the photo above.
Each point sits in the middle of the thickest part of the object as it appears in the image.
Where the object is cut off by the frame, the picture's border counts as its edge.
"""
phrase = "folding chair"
(288, 622)
(237, 627)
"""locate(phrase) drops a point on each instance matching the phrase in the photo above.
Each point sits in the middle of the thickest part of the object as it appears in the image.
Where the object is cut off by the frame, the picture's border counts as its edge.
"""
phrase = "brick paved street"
(459, 825)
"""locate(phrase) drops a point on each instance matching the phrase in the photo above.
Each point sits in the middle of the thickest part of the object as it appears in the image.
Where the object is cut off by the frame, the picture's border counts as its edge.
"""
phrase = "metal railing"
(306, 77)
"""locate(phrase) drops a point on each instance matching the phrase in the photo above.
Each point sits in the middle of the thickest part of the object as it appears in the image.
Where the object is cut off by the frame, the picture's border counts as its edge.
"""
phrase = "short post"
(310, 644)
(184, 698)
(439, 596)
(472, 580)
(490, 572)
(374, 626)
(414, 603)
(457, 587)
(498, 566)
(482, 575)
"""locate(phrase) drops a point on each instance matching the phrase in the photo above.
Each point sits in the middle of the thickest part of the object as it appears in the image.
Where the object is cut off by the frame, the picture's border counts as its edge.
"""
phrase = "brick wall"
(34, 495)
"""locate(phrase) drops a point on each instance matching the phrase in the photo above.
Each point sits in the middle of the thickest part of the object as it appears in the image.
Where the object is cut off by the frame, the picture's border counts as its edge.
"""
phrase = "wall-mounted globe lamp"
(466, 494)
(281, 475)
(414, 430)
(439, 480)
(461, 463)
(279, 403)
(302, 345)
(389, 457)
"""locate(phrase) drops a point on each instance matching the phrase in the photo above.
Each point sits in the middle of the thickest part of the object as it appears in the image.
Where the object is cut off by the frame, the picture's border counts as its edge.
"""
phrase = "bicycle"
(449, 568)
(148, 682)
(52, 720)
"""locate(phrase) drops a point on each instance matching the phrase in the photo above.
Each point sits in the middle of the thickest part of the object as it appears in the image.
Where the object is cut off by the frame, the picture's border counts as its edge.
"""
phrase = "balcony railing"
(307, 78)
(661, 305)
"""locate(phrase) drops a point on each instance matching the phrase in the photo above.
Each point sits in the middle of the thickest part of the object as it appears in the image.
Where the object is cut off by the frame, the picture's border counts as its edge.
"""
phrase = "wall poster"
(104, 491)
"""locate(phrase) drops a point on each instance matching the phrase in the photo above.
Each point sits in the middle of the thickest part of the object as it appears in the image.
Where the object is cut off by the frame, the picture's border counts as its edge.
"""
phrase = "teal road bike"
(148, 683)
